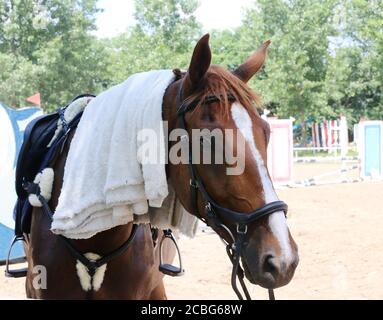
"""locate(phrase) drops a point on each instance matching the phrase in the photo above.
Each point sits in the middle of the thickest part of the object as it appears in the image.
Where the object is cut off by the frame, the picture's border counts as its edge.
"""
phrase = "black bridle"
(215, 212)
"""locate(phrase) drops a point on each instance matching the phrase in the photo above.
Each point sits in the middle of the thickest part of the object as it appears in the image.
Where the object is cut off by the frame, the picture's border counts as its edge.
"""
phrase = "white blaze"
(277, 220)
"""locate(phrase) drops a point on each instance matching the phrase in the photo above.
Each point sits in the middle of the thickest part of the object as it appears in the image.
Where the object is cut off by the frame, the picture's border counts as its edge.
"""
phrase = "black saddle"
(37, 135)
(34, 149)
(35, 155)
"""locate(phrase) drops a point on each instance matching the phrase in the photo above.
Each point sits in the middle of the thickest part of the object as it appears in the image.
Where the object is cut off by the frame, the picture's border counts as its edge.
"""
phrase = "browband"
(186, 107)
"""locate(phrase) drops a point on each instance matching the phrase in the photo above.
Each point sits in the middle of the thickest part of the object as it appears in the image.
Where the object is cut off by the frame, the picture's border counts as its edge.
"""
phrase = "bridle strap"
(237, 271)
(214, 210)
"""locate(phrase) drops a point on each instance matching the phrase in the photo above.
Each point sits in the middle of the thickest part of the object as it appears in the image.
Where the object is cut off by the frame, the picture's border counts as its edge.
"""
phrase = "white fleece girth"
(70, 113)
(45, 181)
(85, 279)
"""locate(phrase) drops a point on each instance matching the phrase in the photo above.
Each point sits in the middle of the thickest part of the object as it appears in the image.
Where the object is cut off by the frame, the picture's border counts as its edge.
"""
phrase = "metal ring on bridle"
(229, 232)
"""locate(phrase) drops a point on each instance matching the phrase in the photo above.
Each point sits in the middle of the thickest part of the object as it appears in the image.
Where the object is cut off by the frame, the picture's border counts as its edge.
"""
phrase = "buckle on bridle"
(240, 230)
(31, 188)
(210, 213)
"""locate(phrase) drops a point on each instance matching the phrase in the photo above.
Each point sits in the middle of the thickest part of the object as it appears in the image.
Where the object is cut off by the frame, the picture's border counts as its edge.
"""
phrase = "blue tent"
(12, 125)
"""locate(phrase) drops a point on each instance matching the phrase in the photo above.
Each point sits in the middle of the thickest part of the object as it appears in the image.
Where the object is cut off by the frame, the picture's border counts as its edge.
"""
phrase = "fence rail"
(334, 151)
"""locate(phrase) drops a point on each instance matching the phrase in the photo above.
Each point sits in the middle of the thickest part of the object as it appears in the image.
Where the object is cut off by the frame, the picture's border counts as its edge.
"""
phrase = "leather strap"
(214, 211)
(90, 265)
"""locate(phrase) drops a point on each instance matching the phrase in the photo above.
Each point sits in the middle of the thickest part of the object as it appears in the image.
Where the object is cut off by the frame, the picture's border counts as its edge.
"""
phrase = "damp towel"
(106, 182)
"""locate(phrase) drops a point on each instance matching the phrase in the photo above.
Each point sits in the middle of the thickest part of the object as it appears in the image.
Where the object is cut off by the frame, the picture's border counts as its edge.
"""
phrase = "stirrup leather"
(167, 268)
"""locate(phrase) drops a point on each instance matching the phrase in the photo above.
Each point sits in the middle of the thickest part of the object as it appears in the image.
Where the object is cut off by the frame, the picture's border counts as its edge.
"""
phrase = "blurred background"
(325, 59)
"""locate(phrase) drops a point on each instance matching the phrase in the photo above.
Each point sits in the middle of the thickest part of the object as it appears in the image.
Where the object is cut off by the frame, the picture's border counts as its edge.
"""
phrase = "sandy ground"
(321, 171)
(339, 231)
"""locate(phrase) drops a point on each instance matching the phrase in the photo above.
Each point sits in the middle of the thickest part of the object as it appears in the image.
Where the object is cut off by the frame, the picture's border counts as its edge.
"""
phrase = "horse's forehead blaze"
(244, 124)
(277, 220)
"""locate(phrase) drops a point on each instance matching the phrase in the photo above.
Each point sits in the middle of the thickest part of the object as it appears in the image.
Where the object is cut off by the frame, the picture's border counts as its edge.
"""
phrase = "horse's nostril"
(271, 265)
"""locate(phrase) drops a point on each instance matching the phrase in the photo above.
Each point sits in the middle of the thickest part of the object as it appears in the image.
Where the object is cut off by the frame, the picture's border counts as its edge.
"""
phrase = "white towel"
(105, 181)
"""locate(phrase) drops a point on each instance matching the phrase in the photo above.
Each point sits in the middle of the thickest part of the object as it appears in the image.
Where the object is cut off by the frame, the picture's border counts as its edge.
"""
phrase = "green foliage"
(17, 79)
(163, 38)
(293, 79)
(28, 24)
(46, 46)
(71, 70)
(169, 21)
(355, 73)
(326, 56)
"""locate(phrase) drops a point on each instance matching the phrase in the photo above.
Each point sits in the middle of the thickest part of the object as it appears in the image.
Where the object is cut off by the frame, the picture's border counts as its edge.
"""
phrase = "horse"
(242, 209)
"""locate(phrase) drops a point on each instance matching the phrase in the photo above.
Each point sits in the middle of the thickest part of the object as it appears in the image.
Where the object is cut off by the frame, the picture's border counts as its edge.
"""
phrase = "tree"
(17, 79)
(170, 21)
(53, 36)
(292, 83)
(68, 70)
(29, 24)
(355, 77)
(162, 38)
(326, 57)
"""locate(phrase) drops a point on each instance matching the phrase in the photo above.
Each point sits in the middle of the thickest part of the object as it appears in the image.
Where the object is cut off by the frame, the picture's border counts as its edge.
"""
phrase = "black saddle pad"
(34, 156)
(37, 135)
(34, 149)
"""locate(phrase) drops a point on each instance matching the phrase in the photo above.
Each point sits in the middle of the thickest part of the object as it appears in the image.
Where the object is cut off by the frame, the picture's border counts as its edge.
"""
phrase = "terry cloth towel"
(171, 215)
(106, 182)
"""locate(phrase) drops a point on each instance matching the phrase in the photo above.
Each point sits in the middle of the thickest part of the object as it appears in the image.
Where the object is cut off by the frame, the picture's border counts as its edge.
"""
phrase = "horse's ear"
(199, 64)
(253, 64)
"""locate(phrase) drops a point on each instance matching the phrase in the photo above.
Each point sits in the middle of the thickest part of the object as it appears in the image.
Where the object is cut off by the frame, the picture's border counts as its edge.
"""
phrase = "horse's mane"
(219, 82)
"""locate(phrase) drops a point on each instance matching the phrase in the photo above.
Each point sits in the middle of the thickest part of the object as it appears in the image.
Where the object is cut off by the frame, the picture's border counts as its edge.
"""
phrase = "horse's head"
(219, 100)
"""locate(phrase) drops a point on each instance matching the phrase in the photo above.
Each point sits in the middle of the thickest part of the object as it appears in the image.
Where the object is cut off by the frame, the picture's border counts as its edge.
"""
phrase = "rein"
(215, 212)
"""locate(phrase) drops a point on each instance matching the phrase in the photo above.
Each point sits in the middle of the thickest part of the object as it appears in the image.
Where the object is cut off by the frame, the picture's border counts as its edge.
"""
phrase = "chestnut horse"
(269, 254)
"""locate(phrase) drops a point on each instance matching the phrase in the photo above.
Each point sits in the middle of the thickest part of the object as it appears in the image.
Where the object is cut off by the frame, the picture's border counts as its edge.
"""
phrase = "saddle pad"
(36, 137)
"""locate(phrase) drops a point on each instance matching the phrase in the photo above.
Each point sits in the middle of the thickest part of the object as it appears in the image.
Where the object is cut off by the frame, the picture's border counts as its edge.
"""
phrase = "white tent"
(12, 126)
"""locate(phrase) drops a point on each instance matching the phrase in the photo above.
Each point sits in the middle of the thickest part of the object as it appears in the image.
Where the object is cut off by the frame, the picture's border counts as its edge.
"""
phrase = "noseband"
(215, 213)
